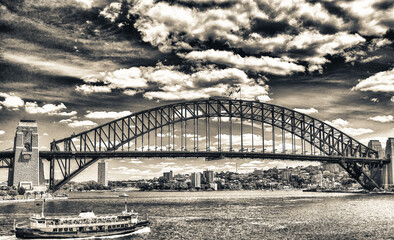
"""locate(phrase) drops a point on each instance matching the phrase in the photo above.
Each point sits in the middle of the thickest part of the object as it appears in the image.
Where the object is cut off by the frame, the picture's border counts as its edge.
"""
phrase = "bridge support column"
(27, 168)
(377, 172)
(388, 169)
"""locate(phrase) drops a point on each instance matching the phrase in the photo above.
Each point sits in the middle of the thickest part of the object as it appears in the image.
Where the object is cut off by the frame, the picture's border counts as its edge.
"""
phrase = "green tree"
(12, 193)
(2, 194)
(21, 191)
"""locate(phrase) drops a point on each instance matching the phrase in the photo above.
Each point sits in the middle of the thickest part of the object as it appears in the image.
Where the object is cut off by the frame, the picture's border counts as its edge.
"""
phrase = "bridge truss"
(214, 129)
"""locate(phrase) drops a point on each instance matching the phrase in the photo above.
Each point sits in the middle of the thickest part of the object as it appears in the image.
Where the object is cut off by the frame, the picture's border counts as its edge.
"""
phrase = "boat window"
(109, 227)
(41, 221)
(65, 229)
(122, 225)
(55, 229)
(70, 229)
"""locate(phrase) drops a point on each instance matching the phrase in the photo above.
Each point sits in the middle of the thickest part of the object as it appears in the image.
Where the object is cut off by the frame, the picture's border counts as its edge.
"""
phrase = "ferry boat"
(86, 224)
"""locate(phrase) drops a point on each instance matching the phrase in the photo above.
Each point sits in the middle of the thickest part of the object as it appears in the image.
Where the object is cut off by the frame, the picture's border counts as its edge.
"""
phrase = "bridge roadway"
(213, 155)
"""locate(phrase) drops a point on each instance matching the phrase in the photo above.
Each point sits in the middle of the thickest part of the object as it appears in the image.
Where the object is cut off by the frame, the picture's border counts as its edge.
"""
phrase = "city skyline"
(72, 65)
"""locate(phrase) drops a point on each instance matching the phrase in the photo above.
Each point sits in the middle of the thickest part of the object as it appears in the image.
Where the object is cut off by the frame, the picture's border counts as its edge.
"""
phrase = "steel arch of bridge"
(121, 137)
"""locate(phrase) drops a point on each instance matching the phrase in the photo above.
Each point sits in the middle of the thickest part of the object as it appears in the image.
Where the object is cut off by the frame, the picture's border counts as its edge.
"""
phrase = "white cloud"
(172, 27)
(50, 109)
(166, 163)
(379, 82)
(170, 83)
(87, 89)
(135, 161)
(382, 119)
(56, 67)
(338, 122)
(111, 11)
(343, 125)
(256, 162)
(65, 121)
(77, 123)
(175, 85)
(125, 78)
(306, 110)
(11, 101)
(130, 92)
(357, 131)
(246, 139)
(276, 66)
(86, 3)
(2, 132)
(371, 20)
(104, 114)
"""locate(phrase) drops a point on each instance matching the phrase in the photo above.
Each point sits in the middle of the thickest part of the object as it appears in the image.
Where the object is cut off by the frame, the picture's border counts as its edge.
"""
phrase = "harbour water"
(231, 214)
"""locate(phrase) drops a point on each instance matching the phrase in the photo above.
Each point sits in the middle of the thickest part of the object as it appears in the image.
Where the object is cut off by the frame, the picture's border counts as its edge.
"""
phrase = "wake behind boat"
(86, 224)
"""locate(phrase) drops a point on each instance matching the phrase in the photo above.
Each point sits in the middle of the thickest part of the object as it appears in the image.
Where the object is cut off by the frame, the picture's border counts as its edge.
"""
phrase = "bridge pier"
(377, 172)
(383, 175)
(27, 168)
(388, 169)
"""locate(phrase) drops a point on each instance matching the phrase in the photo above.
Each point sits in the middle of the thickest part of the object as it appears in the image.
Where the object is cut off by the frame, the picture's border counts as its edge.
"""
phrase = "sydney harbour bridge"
(214, 129)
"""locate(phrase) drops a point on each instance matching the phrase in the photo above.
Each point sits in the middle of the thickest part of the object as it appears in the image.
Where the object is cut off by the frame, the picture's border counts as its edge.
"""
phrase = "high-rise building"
(196, 180)
(168, 175)
(208, 176)
(377, 146)
(102, 176)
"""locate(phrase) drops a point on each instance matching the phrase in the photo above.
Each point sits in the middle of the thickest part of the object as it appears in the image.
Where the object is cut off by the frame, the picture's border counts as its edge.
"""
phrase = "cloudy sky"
(75, 64)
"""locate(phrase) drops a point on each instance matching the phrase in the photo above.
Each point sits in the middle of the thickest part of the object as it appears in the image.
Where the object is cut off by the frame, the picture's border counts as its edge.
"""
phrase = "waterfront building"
(168, 175)
(208, 176)
(196, 180)
(102, 176)
(213, 186)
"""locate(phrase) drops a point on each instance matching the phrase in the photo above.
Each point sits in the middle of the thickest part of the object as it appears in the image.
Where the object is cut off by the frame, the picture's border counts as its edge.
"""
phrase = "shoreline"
(94, 195)
(31, 200)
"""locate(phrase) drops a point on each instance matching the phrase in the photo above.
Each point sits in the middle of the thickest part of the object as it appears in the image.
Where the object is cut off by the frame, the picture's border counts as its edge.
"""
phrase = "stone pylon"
(377, 172)
(388, 169)
(27, 168)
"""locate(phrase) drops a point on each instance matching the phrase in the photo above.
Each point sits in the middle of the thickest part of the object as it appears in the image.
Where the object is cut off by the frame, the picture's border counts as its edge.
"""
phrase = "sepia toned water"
(232, 214)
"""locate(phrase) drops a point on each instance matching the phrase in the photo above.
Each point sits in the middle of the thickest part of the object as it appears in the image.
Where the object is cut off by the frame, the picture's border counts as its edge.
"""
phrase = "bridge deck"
(211, 156)
(207, 155)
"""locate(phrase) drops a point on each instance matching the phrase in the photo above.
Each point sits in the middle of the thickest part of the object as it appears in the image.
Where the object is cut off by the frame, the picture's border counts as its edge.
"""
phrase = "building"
(208, 176)
(286, 175)
(196, 180)
(102, 176)
(332, 167)
(168, 175)
(258, 172)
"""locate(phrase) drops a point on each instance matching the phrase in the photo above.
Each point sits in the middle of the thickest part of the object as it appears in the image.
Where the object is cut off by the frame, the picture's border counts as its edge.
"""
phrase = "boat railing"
(87, 221)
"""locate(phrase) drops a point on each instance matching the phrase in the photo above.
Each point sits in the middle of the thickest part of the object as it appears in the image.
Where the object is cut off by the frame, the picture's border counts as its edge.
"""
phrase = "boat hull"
(26, 233)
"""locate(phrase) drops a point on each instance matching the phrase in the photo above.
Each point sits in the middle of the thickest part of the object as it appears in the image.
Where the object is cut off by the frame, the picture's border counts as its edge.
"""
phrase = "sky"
(75, 64)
